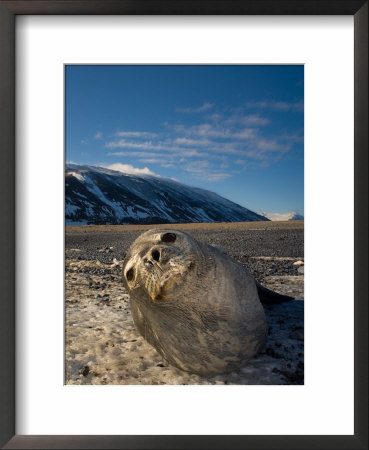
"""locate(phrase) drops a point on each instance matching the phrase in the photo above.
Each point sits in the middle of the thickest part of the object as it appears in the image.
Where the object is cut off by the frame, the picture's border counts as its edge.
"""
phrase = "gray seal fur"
(197, 306)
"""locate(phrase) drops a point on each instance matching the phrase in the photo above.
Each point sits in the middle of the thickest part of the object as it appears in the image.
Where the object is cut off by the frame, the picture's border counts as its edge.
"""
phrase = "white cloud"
(197, 166)
(173, 150)
(269, 145)
(128, 168)
(216, 176)
(191, 142)
(203, 171)
(137, 134)
(151, 161)
(190, 110)
(277, 105)
(240, 162)
(247, 133)
(207, 131)
(213, 137)
(162, 162)
(216, 117)
(137, 154)
(122, 143)
(98, 135)
(192, 152)
(251, 119)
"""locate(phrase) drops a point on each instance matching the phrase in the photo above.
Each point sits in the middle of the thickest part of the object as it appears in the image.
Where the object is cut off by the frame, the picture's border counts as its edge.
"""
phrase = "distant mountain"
(95, 195)
(283, 216)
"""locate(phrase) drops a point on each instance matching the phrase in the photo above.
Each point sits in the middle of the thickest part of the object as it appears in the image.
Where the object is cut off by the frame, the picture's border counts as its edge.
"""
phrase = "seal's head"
(159, 263)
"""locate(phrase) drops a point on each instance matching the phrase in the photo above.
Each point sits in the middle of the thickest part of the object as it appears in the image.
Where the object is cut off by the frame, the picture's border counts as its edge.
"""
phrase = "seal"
(196, 305)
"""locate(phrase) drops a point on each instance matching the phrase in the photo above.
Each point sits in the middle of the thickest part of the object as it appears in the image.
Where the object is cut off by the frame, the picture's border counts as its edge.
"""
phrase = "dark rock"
(84, 371)
(297, 334)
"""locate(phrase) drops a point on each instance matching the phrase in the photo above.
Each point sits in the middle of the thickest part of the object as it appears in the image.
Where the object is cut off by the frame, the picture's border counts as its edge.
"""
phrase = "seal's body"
(197, 306)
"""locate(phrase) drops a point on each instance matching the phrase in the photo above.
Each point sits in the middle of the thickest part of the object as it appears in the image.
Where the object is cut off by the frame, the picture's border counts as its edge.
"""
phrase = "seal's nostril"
(129, 275)
(155, 255)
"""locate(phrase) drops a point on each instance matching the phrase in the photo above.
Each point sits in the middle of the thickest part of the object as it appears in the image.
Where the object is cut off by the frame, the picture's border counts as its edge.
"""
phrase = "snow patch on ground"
(93, 188)
(136, 213)
(76, 175)
(71, 209)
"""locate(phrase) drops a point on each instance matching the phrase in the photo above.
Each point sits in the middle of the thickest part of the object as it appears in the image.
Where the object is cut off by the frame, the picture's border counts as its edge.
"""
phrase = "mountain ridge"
(97, 195)
(293, 215)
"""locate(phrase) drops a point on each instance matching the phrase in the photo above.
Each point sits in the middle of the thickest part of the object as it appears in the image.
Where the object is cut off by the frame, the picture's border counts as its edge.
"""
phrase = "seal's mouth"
(167, 283)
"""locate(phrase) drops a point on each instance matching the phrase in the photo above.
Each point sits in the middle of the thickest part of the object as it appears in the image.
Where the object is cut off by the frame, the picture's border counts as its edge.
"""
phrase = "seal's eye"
(129, 275)
(155, 255)
(168, 237)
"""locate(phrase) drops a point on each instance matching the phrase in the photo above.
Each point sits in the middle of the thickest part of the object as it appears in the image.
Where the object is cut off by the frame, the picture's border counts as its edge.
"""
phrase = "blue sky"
(236, 130)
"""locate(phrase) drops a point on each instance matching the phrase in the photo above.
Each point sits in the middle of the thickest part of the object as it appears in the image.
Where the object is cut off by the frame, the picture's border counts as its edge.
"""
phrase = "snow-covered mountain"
(283, 216)
(95, 195)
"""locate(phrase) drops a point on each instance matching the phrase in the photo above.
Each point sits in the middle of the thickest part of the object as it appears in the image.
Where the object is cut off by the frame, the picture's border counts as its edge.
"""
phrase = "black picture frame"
(8, 12)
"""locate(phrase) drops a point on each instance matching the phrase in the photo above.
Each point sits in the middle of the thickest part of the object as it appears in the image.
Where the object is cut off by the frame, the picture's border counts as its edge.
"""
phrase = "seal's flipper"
(267, 296)
(220, 248)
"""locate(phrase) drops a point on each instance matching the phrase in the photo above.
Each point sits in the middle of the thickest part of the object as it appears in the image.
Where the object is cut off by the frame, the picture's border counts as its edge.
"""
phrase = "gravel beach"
(101, 342)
